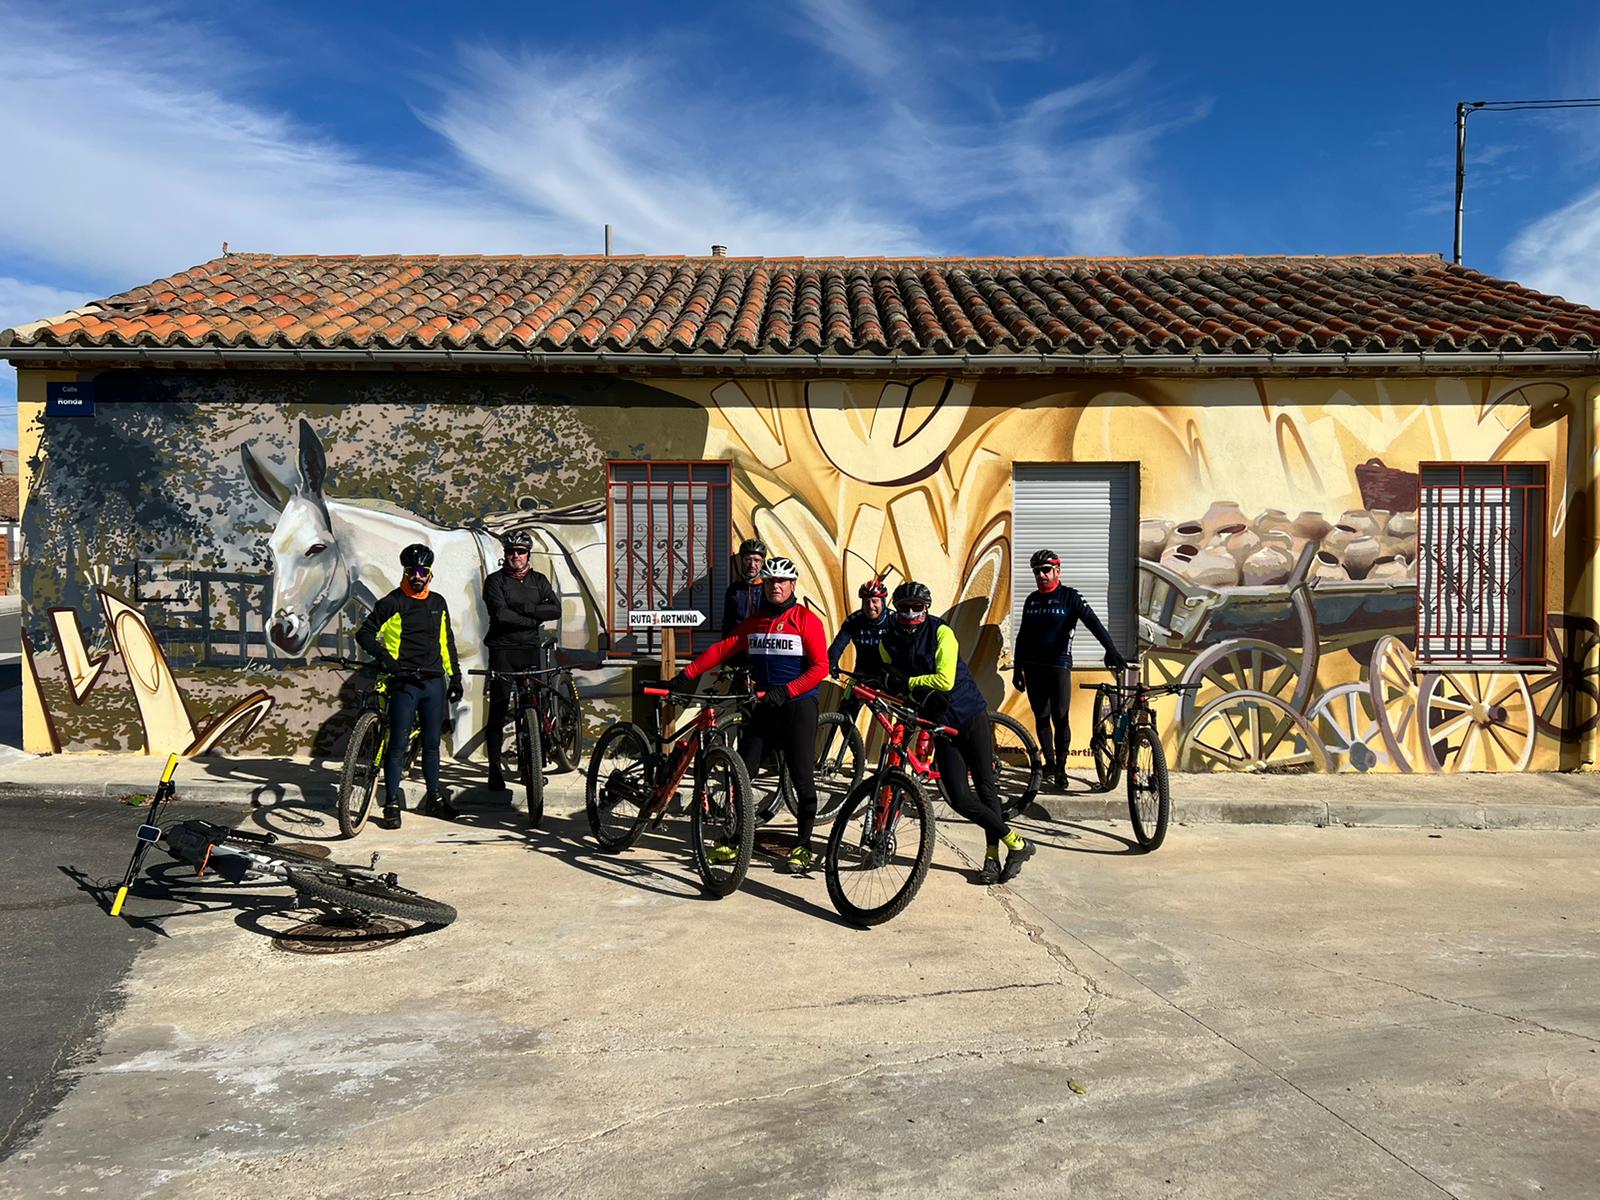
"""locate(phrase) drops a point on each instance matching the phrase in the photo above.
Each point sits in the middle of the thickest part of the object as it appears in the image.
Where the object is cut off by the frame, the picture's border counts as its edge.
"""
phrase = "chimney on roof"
(719, 252)
(608, 241)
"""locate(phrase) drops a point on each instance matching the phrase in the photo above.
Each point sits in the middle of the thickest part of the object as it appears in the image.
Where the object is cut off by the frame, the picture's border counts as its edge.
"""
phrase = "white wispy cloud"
(1560, 252)
(22, 301)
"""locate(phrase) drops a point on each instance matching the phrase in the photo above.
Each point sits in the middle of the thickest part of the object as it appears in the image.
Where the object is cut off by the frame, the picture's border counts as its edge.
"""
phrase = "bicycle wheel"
(338, 889)
(722, 814)
(1017, 765)
(619, 786)
(838, 766)
(1103, 741)
(879, 849)
(530, 763)
(566, 723)
(1149, 802)
(363, 766)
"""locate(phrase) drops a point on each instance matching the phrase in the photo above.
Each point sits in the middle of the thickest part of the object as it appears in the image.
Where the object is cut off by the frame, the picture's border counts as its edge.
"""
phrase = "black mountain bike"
(548, 724)
(1124, 737)
(237, 855)
(363, 753)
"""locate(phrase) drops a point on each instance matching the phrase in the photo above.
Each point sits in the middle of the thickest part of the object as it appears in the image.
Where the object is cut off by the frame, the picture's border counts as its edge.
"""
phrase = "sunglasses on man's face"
(1044, 570)
(910, 609)
(516, 554)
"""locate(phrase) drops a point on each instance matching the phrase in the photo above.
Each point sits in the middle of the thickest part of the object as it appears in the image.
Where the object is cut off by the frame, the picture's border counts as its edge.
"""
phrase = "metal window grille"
(669, 527)
(1480, 562)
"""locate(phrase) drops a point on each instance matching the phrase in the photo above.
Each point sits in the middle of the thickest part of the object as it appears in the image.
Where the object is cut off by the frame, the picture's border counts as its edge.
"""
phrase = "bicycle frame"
(672, 765)
(898, 723)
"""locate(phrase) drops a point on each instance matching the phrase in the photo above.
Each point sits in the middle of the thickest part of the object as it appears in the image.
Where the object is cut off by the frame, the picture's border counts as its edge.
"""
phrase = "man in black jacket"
(519, 600)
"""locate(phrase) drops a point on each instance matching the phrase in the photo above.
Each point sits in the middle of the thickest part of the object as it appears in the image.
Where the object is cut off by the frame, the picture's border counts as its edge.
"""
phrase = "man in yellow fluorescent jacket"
(408, 633)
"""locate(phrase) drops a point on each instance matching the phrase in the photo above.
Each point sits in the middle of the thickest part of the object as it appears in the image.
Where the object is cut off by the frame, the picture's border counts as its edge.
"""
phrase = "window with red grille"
(669, 528)
(1481, 562)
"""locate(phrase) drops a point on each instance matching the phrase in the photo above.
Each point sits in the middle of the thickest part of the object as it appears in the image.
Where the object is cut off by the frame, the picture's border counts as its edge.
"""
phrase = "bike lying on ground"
(548, 725)
(236, 855)
(631, 782)
(1124, 735)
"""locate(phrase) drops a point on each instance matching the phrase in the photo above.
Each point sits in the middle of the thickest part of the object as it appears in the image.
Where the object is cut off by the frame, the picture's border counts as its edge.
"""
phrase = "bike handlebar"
(512, 674)
(706, 700)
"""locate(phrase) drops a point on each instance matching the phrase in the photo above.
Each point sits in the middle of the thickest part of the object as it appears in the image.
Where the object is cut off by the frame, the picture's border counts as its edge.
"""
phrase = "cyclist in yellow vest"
(408, 633)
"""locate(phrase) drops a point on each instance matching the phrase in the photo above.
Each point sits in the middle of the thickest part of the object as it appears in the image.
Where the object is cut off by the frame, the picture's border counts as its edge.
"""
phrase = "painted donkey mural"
(327, 552)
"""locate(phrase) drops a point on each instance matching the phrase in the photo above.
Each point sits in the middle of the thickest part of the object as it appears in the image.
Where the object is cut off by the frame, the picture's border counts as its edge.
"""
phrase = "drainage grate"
(341, 935)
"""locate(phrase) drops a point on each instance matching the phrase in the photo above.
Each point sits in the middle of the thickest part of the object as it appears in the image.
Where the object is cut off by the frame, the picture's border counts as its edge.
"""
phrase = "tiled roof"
(554, 304)
(9, 500)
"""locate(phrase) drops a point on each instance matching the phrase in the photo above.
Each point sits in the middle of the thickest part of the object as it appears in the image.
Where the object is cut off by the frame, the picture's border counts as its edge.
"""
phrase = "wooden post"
(669, 668)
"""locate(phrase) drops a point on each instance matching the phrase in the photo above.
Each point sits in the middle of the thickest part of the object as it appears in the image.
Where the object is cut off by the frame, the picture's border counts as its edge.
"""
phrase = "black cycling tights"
(972, 749)
(1049, 695)
(792, 731)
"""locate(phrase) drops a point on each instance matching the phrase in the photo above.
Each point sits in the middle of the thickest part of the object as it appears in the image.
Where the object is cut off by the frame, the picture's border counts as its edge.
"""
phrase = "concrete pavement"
(1250, 1011)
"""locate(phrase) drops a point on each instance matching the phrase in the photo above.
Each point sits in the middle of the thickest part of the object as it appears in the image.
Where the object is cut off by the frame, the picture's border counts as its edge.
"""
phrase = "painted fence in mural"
(1278, 556)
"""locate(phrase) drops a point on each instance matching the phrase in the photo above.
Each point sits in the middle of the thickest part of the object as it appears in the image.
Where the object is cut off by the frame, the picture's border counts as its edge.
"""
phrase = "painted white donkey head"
(310, 577)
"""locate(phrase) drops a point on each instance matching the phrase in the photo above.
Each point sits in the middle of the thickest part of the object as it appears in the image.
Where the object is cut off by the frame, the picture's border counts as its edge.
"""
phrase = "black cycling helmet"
(752, 546)
(1044, 559)
(871, 588)
(416, 555)
(912, 601)
(518, 539)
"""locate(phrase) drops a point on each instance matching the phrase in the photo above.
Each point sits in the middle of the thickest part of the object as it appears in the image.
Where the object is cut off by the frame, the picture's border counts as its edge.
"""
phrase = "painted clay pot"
(1223, 512)
(1239, 541)
(1268, 566)
(1381, 516)
(1272, 520)
(1360, 520)
(1153, 534)
(1389, 569)
(1311, 527)
(1280, 538)
(1338, 538)
(1404, 547)
(1214, 567)
(1359, 556)
(1178, 557)
(1402, 524)
(1328, 567)
(1187, 533)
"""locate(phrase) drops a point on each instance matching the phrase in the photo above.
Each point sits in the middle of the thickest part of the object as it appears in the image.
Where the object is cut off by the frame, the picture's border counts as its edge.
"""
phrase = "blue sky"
(138, 139)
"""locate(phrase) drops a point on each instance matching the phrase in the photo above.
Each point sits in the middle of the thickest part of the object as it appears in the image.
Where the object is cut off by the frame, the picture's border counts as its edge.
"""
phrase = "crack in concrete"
(1407, 988)
(906, 997)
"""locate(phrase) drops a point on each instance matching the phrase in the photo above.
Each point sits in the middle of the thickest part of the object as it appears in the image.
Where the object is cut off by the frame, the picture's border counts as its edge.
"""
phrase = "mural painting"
(247, 521)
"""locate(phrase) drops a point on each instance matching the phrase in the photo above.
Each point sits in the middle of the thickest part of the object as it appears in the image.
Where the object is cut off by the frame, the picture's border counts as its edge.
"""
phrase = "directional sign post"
(668, 620)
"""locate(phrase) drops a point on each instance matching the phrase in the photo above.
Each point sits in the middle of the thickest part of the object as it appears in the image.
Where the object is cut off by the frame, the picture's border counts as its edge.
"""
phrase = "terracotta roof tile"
(1180, 306)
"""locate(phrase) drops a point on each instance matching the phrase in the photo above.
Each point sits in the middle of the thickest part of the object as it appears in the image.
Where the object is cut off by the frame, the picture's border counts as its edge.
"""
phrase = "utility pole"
(1465, 109)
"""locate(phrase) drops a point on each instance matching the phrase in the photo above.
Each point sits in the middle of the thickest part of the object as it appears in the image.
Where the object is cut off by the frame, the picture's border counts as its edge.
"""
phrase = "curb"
(563, 799)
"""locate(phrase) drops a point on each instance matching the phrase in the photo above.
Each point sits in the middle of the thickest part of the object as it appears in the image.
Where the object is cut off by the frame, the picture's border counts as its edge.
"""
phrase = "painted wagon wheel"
(1392, 681)
(1476, 721)
(1347, 726)
(1251, 731)
(1567, 701)
(1158, 664)
(1245, 665)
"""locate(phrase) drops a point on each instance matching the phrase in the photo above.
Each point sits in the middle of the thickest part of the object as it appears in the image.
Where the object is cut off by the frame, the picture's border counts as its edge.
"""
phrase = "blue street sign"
(69, 399)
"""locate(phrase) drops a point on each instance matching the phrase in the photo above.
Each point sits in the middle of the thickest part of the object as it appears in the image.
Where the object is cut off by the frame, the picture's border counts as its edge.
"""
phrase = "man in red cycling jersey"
(787, 651)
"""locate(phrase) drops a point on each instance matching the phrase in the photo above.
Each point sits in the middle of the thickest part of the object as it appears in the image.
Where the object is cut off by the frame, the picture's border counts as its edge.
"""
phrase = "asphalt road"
(65, 958)
(10, 631)
(1251, 1011)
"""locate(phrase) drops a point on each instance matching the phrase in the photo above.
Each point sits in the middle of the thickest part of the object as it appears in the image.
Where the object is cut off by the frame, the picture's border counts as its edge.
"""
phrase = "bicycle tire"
(1149, 801)
(1103, 741)
(371, 896)
(837, 770)
(735, 820)
(1018, 769)
(358, 781)
(566, 723)
(843, 857)
(530, 763)
(617, 805)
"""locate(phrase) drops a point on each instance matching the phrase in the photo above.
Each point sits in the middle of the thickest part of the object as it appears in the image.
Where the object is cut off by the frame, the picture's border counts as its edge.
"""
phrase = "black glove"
(1018, 680)
(896, 684)
(455, 693)
(681, 685)
(388, 664)
(774, 697)
(1115, 661)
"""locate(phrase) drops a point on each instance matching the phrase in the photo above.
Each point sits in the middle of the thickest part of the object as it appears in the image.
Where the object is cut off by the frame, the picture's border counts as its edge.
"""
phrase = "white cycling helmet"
(779, 568)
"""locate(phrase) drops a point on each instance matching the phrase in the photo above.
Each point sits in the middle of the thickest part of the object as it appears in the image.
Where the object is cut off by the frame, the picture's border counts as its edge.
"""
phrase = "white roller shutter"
(1088, 514)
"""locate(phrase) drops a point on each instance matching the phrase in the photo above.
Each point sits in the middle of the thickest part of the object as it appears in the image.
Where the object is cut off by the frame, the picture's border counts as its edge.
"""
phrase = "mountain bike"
(236, 855)
(881, 844)
(837, 767)
(368, 743)
(634, 777)
(1123, 735)
(548, 724)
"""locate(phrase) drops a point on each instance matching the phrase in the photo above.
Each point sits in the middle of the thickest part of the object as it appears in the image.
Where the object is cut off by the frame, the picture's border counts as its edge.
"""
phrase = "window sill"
(1484, 667)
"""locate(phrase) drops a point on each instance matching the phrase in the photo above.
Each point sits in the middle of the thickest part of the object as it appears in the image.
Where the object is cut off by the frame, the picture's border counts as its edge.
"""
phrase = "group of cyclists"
(901, 647)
